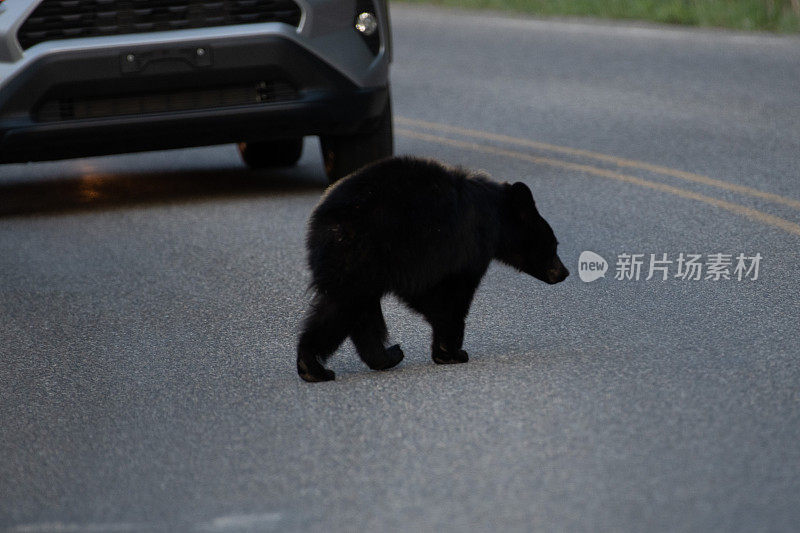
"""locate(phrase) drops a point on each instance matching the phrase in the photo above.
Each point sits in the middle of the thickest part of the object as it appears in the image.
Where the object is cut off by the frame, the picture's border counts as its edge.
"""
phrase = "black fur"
(425, 232)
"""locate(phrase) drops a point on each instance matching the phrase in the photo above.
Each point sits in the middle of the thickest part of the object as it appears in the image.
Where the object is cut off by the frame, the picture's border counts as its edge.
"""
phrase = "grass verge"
(766, 15)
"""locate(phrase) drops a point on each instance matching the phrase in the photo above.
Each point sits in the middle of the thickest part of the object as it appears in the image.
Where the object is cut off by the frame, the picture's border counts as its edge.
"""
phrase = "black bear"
(425, 232)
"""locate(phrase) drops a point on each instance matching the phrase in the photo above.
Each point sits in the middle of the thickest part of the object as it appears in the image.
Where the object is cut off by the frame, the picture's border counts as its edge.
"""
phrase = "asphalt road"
(150, 306)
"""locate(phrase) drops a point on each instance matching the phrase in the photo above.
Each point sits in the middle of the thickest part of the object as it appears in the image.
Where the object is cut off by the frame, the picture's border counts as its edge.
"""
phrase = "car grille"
(69, 19)
(190, 99)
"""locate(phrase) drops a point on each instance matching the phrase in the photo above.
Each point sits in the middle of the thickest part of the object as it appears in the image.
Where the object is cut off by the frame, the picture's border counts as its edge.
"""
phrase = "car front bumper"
(126, 93)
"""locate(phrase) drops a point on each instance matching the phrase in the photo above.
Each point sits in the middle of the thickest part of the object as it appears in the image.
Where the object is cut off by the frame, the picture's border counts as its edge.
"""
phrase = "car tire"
(343, 154)
(271, 154)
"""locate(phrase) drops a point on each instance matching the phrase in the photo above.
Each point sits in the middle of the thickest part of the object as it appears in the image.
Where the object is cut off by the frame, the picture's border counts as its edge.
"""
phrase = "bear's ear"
(521, 198)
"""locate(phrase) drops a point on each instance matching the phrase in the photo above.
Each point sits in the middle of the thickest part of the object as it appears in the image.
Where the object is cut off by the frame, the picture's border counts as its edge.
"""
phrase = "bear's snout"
(557, 272)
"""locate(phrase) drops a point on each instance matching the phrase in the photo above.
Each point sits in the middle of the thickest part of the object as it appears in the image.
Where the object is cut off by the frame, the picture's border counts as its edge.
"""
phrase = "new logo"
(591, 266)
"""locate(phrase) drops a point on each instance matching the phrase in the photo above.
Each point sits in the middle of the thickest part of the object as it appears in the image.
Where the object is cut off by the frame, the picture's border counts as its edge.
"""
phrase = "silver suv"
(94, 77)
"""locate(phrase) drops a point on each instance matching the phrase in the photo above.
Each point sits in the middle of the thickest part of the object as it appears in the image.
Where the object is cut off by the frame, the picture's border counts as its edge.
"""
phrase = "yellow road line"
(619, 161)
(749, 212)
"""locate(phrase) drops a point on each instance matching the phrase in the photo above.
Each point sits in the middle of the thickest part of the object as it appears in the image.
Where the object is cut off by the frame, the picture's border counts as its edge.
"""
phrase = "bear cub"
(425, 232)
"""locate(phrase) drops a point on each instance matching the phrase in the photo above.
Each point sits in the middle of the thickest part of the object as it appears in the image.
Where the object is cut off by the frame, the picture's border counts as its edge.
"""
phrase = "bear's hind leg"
(324, 329)
(369, 337)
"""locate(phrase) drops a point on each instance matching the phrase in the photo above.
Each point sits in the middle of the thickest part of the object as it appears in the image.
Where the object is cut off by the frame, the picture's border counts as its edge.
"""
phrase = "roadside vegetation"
(769, 15)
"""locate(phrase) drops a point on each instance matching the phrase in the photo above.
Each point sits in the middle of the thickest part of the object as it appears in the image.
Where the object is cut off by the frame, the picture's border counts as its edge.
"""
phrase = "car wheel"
(270, 154)
(342, 154)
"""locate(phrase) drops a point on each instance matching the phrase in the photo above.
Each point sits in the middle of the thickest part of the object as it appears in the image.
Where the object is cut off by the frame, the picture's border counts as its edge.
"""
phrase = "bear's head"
(527, 241)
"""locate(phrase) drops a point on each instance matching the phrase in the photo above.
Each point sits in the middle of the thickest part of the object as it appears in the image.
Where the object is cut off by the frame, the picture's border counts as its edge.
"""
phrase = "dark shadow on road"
(98, 191)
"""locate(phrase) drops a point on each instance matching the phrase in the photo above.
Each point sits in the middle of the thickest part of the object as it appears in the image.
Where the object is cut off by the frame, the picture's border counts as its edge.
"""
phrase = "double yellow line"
(739, 209)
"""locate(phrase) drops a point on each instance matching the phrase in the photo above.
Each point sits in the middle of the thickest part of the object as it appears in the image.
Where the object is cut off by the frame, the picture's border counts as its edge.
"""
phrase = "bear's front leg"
(441, 355)
(447, 340)
(313, 371)
(445, 307)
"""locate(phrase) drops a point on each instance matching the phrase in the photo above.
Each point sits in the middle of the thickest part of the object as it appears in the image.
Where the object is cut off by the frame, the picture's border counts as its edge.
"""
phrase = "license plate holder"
(136, 61)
